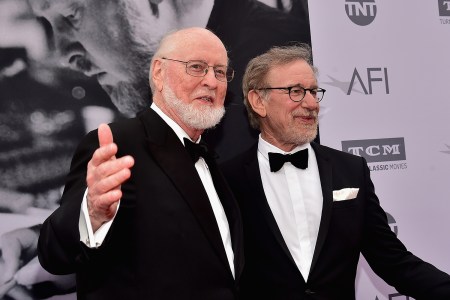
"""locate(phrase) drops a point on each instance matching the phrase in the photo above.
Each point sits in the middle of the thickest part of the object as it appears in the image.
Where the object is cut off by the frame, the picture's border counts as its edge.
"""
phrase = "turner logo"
(392, 223)
(444, 8)
(390, 149)
(361, 12)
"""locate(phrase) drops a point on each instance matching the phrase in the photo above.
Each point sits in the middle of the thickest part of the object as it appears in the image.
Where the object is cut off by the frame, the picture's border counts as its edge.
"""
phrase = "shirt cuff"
(87, 235)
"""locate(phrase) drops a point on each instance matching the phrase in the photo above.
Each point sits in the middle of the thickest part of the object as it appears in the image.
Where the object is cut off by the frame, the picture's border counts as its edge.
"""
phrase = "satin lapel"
(233, 216)
(259, 198)
(168, 151)
(326, 181)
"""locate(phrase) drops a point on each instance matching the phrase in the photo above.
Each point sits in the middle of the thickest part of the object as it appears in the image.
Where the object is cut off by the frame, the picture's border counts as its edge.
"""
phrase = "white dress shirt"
(295, 198)
(92, 239)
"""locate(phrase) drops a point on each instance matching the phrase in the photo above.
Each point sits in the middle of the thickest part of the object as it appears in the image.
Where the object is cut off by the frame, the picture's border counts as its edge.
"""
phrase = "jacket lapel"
(168, 151)
(260, 200)
(326, 181)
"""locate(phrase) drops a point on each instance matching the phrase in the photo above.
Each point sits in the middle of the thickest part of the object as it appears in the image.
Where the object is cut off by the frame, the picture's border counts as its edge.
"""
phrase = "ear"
(257, 103)
(157, 74)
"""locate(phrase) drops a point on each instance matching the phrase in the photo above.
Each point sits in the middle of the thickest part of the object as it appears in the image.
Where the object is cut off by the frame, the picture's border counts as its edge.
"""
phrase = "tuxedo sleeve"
(59, 246)
(390, 259)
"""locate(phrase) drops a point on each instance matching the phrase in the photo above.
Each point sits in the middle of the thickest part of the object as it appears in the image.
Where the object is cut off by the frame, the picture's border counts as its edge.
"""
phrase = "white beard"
(203, 117)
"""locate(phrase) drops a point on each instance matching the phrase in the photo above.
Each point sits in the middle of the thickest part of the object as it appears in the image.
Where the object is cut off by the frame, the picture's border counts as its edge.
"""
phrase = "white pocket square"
(345, 194)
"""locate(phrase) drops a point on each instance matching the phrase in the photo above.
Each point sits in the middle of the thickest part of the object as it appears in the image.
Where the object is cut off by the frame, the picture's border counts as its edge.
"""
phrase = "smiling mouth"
(206, 99)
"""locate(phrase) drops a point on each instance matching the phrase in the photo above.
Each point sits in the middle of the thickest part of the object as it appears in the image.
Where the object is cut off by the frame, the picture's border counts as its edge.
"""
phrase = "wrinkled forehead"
(296, 70)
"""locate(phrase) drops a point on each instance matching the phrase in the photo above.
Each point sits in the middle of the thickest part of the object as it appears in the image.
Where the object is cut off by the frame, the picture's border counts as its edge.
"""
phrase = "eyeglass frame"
(289, 88)
(205, 70)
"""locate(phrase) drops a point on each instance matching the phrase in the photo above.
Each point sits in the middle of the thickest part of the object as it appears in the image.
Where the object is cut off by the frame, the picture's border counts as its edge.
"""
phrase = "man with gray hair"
(145, 213)
(309, 211)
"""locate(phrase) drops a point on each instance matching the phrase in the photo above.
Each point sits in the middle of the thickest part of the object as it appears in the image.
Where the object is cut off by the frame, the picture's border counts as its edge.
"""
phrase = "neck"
(286, 147)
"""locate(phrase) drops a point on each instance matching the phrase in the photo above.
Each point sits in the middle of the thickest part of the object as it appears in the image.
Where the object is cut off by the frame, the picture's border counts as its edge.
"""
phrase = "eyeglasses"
(297, 93)
(199, 68)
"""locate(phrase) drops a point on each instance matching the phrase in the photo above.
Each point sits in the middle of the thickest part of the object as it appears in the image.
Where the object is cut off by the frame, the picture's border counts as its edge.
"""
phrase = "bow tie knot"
(299, 159)
(196, 150)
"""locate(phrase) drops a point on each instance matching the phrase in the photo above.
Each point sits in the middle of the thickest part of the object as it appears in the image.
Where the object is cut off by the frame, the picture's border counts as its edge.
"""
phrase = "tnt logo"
(444, 8)
(361, 12)
(377, 150)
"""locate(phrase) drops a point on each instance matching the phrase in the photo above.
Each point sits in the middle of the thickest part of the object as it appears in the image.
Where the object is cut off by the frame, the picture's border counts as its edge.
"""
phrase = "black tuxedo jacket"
(347, 228)
(164, 242)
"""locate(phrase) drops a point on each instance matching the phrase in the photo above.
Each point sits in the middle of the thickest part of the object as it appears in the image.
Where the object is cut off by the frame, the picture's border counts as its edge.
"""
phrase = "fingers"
(11, 251)
(105, 175)
(105, 136)
(104, 188)
(104, 153)
(107, 149)
(109, 174)
(6, 287)
(107, 189)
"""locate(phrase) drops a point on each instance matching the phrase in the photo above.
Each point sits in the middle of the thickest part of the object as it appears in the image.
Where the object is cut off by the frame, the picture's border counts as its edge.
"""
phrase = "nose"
(309, 101)
(70, 51)
(210, 79)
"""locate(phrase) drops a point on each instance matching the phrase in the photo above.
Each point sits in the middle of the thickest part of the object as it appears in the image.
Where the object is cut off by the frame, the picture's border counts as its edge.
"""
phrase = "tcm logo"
(367, 77)
(361, 12)
(377, 150)
(444, 8)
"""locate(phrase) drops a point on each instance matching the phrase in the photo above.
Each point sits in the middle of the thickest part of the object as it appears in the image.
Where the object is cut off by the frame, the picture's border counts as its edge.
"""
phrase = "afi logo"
(377, 150)
(361, 12)
(373, 75)
(444, 8)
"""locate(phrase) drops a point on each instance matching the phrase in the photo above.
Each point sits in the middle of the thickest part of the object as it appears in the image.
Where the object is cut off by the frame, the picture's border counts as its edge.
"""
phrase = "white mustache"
(310, 114)
(200, 94)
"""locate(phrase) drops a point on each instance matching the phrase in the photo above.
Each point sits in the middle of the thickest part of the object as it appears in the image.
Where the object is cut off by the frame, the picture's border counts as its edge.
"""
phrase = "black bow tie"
(299, 159)
(196, 150)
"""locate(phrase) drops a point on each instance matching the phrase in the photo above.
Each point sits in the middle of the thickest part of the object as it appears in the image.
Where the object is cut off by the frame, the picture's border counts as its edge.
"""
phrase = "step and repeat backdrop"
(386, 68)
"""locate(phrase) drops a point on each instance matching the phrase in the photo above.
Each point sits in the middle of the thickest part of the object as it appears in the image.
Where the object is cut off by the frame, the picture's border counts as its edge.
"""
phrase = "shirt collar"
(265, 147)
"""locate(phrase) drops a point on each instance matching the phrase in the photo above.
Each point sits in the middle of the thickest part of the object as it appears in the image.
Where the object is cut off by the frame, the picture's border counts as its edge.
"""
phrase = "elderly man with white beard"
(146, 214)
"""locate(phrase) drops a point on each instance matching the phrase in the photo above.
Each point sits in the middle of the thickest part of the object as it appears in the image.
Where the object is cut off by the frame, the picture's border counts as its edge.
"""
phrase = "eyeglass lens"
(200, 68)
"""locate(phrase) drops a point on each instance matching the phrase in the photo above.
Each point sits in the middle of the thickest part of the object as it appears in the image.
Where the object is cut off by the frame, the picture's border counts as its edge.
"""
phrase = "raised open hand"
(105, 174)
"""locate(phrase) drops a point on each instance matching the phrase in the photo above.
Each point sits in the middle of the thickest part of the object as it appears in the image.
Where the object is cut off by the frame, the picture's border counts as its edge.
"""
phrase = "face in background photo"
(112, 41)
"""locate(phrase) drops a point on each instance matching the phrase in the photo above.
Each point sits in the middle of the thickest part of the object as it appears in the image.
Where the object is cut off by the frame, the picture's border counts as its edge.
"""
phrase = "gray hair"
(258, 68)
(163, 48)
